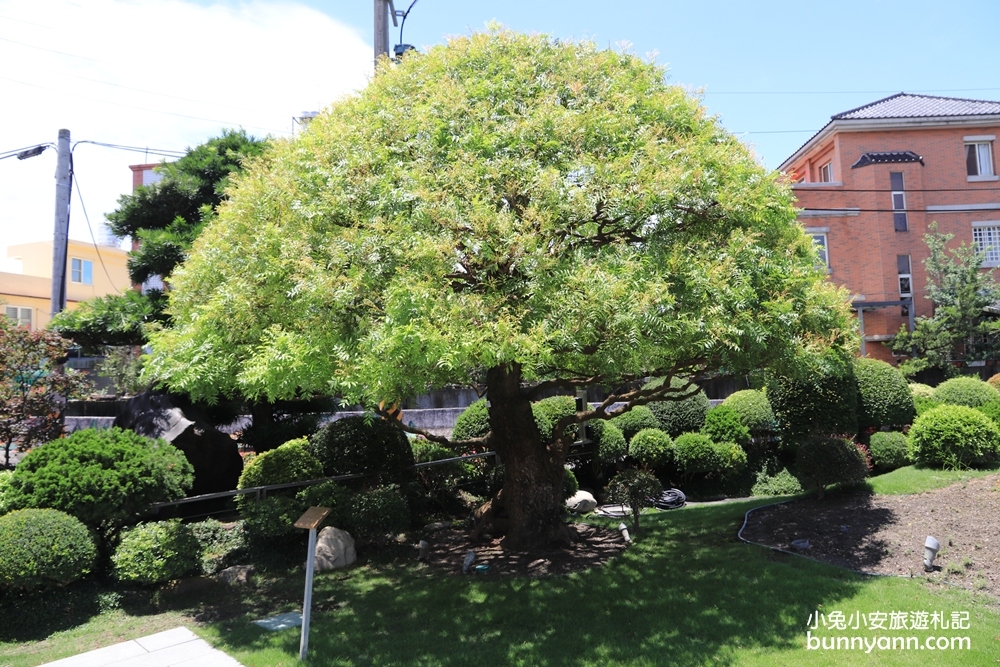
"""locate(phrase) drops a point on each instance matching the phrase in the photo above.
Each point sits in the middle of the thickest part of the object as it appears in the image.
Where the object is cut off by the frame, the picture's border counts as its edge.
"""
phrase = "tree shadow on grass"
(688, 592)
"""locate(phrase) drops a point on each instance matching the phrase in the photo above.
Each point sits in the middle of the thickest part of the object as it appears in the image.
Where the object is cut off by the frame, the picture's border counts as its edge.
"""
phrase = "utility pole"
(61, 237)
(382, 27)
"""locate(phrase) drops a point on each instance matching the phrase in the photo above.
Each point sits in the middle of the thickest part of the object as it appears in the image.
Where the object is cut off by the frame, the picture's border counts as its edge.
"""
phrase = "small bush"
(921, 390)
(570, 484)
(5, 476)
(991, 410)
(43, 547)
(103, 477)
(552, 409)
(924, 403)
(635, 420)
(696, 454)
(782, 483)
(754, 410)
(609, 441)
(357, 445)
(153, 553)
(273, 515)
(889, 450)
(652, 448)
(378, 512)
(968, 391)
(822, 404)
(437, 477)
(723, 424)
(676, 417)
(884, 398)
(954, 437)
(473, 422)
(823, 461)
(217, 542)
(994, 381)
(635, 489)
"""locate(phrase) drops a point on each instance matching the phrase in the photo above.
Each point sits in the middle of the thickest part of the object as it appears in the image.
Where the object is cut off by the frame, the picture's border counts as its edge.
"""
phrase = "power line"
(836, 190)
(164, 152)
(79, 196)
(841, 92)
(62, 53)
(852, 210)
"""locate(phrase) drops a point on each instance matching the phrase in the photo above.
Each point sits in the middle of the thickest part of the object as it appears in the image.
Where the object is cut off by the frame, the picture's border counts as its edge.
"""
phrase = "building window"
(899, 221)
(21, 316)
(81, 271)
(905, 278)
(819, 240)
(979, 158)
(826, 173)
(986, 236)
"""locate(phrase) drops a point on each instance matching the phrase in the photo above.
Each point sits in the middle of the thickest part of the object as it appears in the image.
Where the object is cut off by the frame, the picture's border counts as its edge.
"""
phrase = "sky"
(166, 75)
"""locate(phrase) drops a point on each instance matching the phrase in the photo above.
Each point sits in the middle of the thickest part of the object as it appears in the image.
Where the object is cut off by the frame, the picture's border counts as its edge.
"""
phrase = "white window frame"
(81, 271)
(826, 172)
(820, 238)
(901, 209)
(982, 145)
(908, 277)
(20, 315)
(987, 232)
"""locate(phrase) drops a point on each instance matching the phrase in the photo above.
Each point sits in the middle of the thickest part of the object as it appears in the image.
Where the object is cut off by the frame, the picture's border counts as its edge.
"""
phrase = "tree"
(512, 212)
(959, 330)
(33, 388)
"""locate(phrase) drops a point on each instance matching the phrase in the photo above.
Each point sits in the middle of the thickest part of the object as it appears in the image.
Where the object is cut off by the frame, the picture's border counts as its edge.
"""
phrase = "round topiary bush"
(273, 515)
(438, 477)
(919, 390)
(473, 422)
(651, 447)
(378, 512)
(635, 420)
(991, 410)
(823, 461)
(994, 381)
(609, 441)
(723, 424)
(43, 547)
(551, 410)
(822, 404)
(683, 416)
(884, 397)
(696, 454)
(754, 410)
(103, 477)
(358, 445)
(156, 552)
(968, 391)
(954, 437)
(889, 450)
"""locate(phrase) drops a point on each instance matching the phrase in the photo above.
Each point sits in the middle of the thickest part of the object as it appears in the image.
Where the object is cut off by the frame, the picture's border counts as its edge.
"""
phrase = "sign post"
(311, 520)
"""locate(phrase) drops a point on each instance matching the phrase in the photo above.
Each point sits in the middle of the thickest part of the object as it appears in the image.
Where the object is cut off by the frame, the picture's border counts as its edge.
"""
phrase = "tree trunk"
(533, 479)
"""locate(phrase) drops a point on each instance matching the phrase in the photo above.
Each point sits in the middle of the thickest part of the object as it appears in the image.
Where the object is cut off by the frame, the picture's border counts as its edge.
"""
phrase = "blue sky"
(172, 73)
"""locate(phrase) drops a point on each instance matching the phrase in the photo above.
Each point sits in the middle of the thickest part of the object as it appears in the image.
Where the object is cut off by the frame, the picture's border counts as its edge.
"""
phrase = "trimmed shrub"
(609, 441)
(217, 542)
(823, 461)
(635, 489)
(889, 450)
(156, 552)
(754, 410)
(991, 410)
(570, 484)
(652, 448)
(782, 483)
(103, 477)
(357, 445)
(994, 381)
(696, 454)
(635, 420)
(273, 515)
(921, 390)
(922, 404)
(443, 476)
(43, 547)
(823, 404)
(378, 512)
(5, 476)
(551, 410)
(968, 391)
(723, 424)
(884, 397)
(954, 437)
(676, 417)
(474, 422)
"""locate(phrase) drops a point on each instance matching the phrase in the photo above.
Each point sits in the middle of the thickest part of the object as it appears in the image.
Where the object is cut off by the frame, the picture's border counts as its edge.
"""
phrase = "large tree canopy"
(509, 211)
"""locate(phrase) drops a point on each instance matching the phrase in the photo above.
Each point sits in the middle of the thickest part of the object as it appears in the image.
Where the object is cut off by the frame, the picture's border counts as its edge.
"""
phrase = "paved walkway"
(173, 648)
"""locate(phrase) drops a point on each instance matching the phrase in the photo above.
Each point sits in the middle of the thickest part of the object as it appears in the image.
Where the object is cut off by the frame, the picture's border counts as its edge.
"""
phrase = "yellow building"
(91, 271)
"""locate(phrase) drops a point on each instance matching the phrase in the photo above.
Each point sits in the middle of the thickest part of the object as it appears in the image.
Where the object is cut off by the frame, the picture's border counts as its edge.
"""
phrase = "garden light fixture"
(931, 548)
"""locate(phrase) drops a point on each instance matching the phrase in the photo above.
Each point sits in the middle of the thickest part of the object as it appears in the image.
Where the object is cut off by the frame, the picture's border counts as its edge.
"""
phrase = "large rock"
(581, 502)
(334, 549)
(213, 454)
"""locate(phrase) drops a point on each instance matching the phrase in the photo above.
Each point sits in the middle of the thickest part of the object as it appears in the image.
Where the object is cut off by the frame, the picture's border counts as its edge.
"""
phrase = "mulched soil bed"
(885, 534)
(592, 546)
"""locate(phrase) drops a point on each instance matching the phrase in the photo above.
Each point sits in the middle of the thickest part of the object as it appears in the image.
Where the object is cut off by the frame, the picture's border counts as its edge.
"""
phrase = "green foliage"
(570, 484)
(473, 422)
(966, 390)
(889, 450)
(635, 489)
(919, 390)
(218, 543)
(553, 409)
(271, 518)
(378, 512)
(103, 477)
(32, 387)
(609, 441)
(822, 403)
(994, 381)
(43, 547)
(958, 330)
(754, 410)
(923, 404)
(781, 483)
(156, 552)
(5, 476)
(991, 410)
(824, 461)
(954, 437)
(680, 416)
(369, 445)
(723, 424)
(437, 477)
(651, 447)
(123, 365)
(115, 320)
(884, 397)
(291, 462)
(635, 420)
(696, 454)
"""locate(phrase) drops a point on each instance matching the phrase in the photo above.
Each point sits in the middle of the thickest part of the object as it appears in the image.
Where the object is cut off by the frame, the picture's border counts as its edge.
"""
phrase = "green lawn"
(687, 593)
(916, 480)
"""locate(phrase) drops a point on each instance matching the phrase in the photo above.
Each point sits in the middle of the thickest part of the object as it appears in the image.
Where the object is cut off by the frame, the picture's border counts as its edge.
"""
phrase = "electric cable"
(79, 196)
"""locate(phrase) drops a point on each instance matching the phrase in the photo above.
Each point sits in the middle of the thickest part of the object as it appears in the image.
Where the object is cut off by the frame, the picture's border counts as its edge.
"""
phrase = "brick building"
(873, 179)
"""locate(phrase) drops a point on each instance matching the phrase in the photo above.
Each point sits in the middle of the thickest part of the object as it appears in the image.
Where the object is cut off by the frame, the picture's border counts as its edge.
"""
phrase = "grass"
(688, 592)
(911, 479)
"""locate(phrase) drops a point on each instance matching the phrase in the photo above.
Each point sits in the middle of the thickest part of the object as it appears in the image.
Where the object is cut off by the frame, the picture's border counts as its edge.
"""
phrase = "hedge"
(954, 437)
(43, 547)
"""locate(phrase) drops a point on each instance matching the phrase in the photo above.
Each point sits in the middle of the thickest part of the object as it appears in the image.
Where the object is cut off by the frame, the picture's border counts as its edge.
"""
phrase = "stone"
(236, 575)
(334, 549)
(581, 502)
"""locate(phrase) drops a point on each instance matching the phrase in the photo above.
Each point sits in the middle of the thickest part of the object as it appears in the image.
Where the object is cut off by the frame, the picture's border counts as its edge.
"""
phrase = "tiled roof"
(882, 158)
(906, 105)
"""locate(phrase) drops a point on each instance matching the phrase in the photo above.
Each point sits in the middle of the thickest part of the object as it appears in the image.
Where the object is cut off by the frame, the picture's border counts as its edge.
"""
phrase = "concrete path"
(172, 648)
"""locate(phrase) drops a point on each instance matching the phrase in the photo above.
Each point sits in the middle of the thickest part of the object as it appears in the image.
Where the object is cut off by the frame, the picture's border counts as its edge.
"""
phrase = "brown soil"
(885, 534)
(592, 546)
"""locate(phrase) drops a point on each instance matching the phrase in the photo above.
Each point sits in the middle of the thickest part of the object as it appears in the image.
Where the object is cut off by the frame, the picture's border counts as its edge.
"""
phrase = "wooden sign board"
(312, 518)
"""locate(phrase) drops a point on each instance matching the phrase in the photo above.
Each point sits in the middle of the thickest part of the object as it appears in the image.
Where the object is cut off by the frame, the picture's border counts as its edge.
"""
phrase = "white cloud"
(164, 74)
